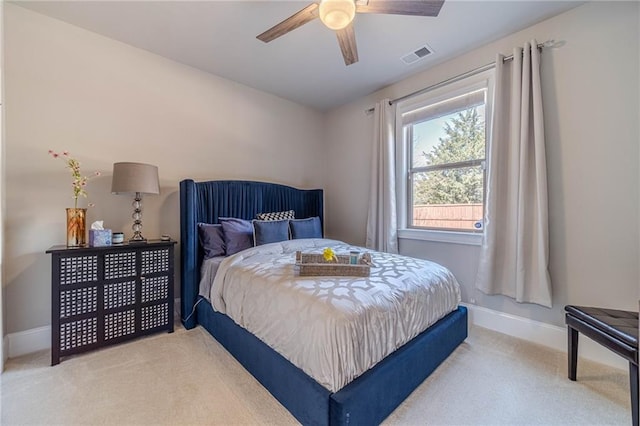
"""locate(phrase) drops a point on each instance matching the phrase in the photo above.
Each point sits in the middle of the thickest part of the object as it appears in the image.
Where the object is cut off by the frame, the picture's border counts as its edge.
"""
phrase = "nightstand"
(106, 295)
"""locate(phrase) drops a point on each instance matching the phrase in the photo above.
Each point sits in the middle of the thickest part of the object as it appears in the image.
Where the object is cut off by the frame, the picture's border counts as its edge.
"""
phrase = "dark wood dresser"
(106, 295)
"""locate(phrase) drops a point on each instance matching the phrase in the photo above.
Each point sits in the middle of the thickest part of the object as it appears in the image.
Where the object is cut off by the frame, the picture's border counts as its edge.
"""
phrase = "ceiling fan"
(338, 15)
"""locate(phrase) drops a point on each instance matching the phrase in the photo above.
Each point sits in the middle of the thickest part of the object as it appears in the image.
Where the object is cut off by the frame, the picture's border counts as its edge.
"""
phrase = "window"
(443, 143)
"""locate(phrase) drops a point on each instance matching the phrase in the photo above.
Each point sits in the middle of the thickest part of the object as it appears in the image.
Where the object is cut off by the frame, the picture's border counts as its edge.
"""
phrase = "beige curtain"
(515, 250)
(382, 227)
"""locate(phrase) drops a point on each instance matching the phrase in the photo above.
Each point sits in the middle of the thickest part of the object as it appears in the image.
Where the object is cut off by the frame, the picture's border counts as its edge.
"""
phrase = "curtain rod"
(548, 43)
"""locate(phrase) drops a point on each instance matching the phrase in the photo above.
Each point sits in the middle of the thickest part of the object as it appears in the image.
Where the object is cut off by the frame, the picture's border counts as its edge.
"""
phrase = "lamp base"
(142, 241)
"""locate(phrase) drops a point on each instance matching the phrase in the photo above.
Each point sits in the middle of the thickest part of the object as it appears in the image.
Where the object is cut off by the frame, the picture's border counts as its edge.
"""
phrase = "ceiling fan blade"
(296, 20)
(400, 7)
(347, 41)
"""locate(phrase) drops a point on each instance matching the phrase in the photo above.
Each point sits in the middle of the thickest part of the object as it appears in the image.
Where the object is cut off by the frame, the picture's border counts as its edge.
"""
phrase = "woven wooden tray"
(309, 264)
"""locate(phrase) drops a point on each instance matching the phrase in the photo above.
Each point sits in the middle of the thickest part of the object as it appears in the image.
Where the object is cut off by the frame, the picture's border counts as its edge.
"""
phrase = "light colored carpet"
(188, 378)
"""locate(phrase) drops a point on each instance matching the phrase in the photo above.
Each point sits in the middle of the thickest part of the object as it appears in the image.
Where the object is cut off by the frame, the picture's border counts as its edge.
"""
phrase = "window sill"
(468, 238)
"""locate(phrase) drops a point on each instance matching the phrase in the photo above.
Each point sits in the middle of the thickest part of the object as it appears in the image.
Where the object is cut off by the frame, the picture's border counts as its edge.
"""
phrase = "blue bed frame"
(367, 400)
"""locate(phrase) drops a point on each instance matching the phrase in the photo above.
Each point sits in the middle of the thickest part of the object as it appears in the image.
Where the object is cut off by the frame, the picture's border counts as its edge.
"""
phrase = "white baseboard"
(5, 352)
(542, 333)
(24, 342)
(36, 339)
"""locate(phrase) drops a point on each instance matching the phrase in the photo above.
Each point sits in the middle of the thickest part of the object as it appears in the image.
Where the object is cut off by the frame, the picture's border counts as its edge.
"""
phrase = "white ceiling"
(306, 65)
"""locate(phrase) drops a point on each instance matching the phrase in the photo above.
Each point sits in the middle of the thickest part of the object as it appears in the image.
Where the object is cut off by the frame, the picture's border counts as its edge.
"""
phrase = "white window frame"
(469, 84)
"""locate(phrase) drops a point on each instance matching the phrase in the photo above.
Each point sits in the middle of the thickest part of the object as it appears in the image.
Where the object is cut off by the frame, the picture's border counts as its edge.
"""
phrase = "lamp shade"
(337, 14)
(135, 177)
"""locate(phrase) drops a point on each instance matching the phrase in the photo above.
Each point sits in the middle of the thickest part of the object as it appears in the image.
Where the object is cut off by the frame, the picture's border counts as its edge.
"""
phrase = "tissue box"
(99, 237)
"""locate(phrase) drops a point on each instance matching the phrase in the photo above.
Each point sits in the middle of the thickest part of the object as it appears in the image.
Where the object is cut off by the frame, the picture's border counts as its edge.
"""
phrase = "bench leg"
(573, 352)
(633, 379)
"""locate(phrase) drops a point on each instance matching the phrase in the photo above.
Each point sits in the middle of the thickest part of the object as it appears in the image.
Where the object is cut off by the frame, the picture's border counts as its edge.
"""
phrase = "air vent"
(416, 55)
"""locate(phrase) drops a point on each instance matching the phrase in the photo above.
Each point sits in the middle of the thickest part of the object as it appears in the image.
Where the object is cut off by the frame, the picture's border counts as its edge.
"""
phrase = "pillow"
(211, 240)
(305, 228)
(238, 234)
(289, 214)
(270, 231)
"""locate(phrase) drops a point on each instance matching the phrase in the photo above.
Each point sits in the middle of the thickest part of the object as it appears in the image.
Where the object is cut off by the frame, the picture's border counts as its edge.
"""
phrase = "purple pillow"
(211, 240)
(238, 234)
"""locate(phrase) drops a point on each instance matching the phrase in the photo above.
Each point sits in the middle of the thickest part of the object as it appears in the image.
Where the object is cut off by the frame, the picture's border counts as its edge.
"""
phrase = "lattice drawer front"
(78, 269)
(119, 324)
(155, 261)
(79, 301)
(78, 333)
(155, 316)
(119, 294)
(156, 288)
(119, 265)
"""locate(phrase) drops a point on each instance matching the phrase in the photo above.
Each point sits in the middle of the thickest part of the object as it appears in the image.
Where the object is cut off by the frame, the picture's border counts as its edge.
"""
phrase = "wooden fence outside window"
(452, 216)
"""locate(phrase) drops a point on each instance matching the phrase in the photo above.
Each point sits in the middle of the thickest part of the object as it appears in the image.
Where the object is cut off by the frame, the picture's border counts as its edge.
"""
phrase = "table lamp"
(138, 179)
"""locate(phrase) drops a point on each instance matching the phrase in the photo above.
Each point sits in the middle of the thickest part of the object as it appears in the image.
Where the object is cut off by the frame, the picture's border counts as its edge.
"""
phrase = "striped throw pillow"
(289, 214)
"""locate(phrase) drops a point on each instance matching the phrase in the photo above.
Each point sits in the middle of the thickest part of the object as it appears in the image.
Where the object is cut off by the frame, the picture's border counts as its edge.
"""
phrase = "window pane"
(449, 198)
(450, 138)
(443, 148)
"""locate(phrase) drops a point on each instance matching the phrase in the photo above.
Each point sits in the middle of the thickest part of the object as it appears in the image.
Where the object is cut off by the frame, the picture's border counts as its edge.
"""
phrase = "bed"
(367, 399)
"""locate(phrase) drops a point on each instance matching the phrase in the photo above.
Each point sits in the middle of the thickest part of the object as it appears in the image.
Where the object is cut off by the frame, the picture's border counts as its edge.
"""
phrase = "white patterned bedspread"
(333, 328)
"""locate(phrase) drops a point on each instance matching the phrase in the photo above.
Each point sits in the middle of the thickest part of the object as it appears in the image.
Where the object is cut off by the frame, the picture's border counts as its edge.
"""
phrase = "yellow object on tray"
(310, 264)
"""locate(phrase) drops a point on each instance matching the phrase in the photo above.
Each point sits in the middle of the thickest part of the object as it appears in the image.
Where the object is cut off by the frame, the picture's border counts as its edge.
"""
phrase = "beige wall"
(590, 90)
(104, 101)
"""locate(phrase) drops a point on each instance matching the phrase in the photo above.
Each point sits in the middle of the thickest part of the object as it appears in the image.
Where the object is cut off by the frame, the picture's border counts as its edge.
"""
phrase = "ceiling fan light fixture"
(337, 14)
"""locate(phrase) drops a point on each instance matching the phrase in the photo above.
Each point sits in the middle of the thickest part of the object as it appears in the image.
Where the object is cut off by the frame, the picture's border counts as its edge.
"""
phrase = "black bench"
(614, 329)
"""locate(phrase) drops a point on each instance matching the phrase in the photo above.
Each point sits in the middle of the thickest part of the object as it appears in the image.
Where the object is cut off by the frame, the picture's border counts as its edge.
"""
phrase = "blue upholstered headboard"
(207, 201)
